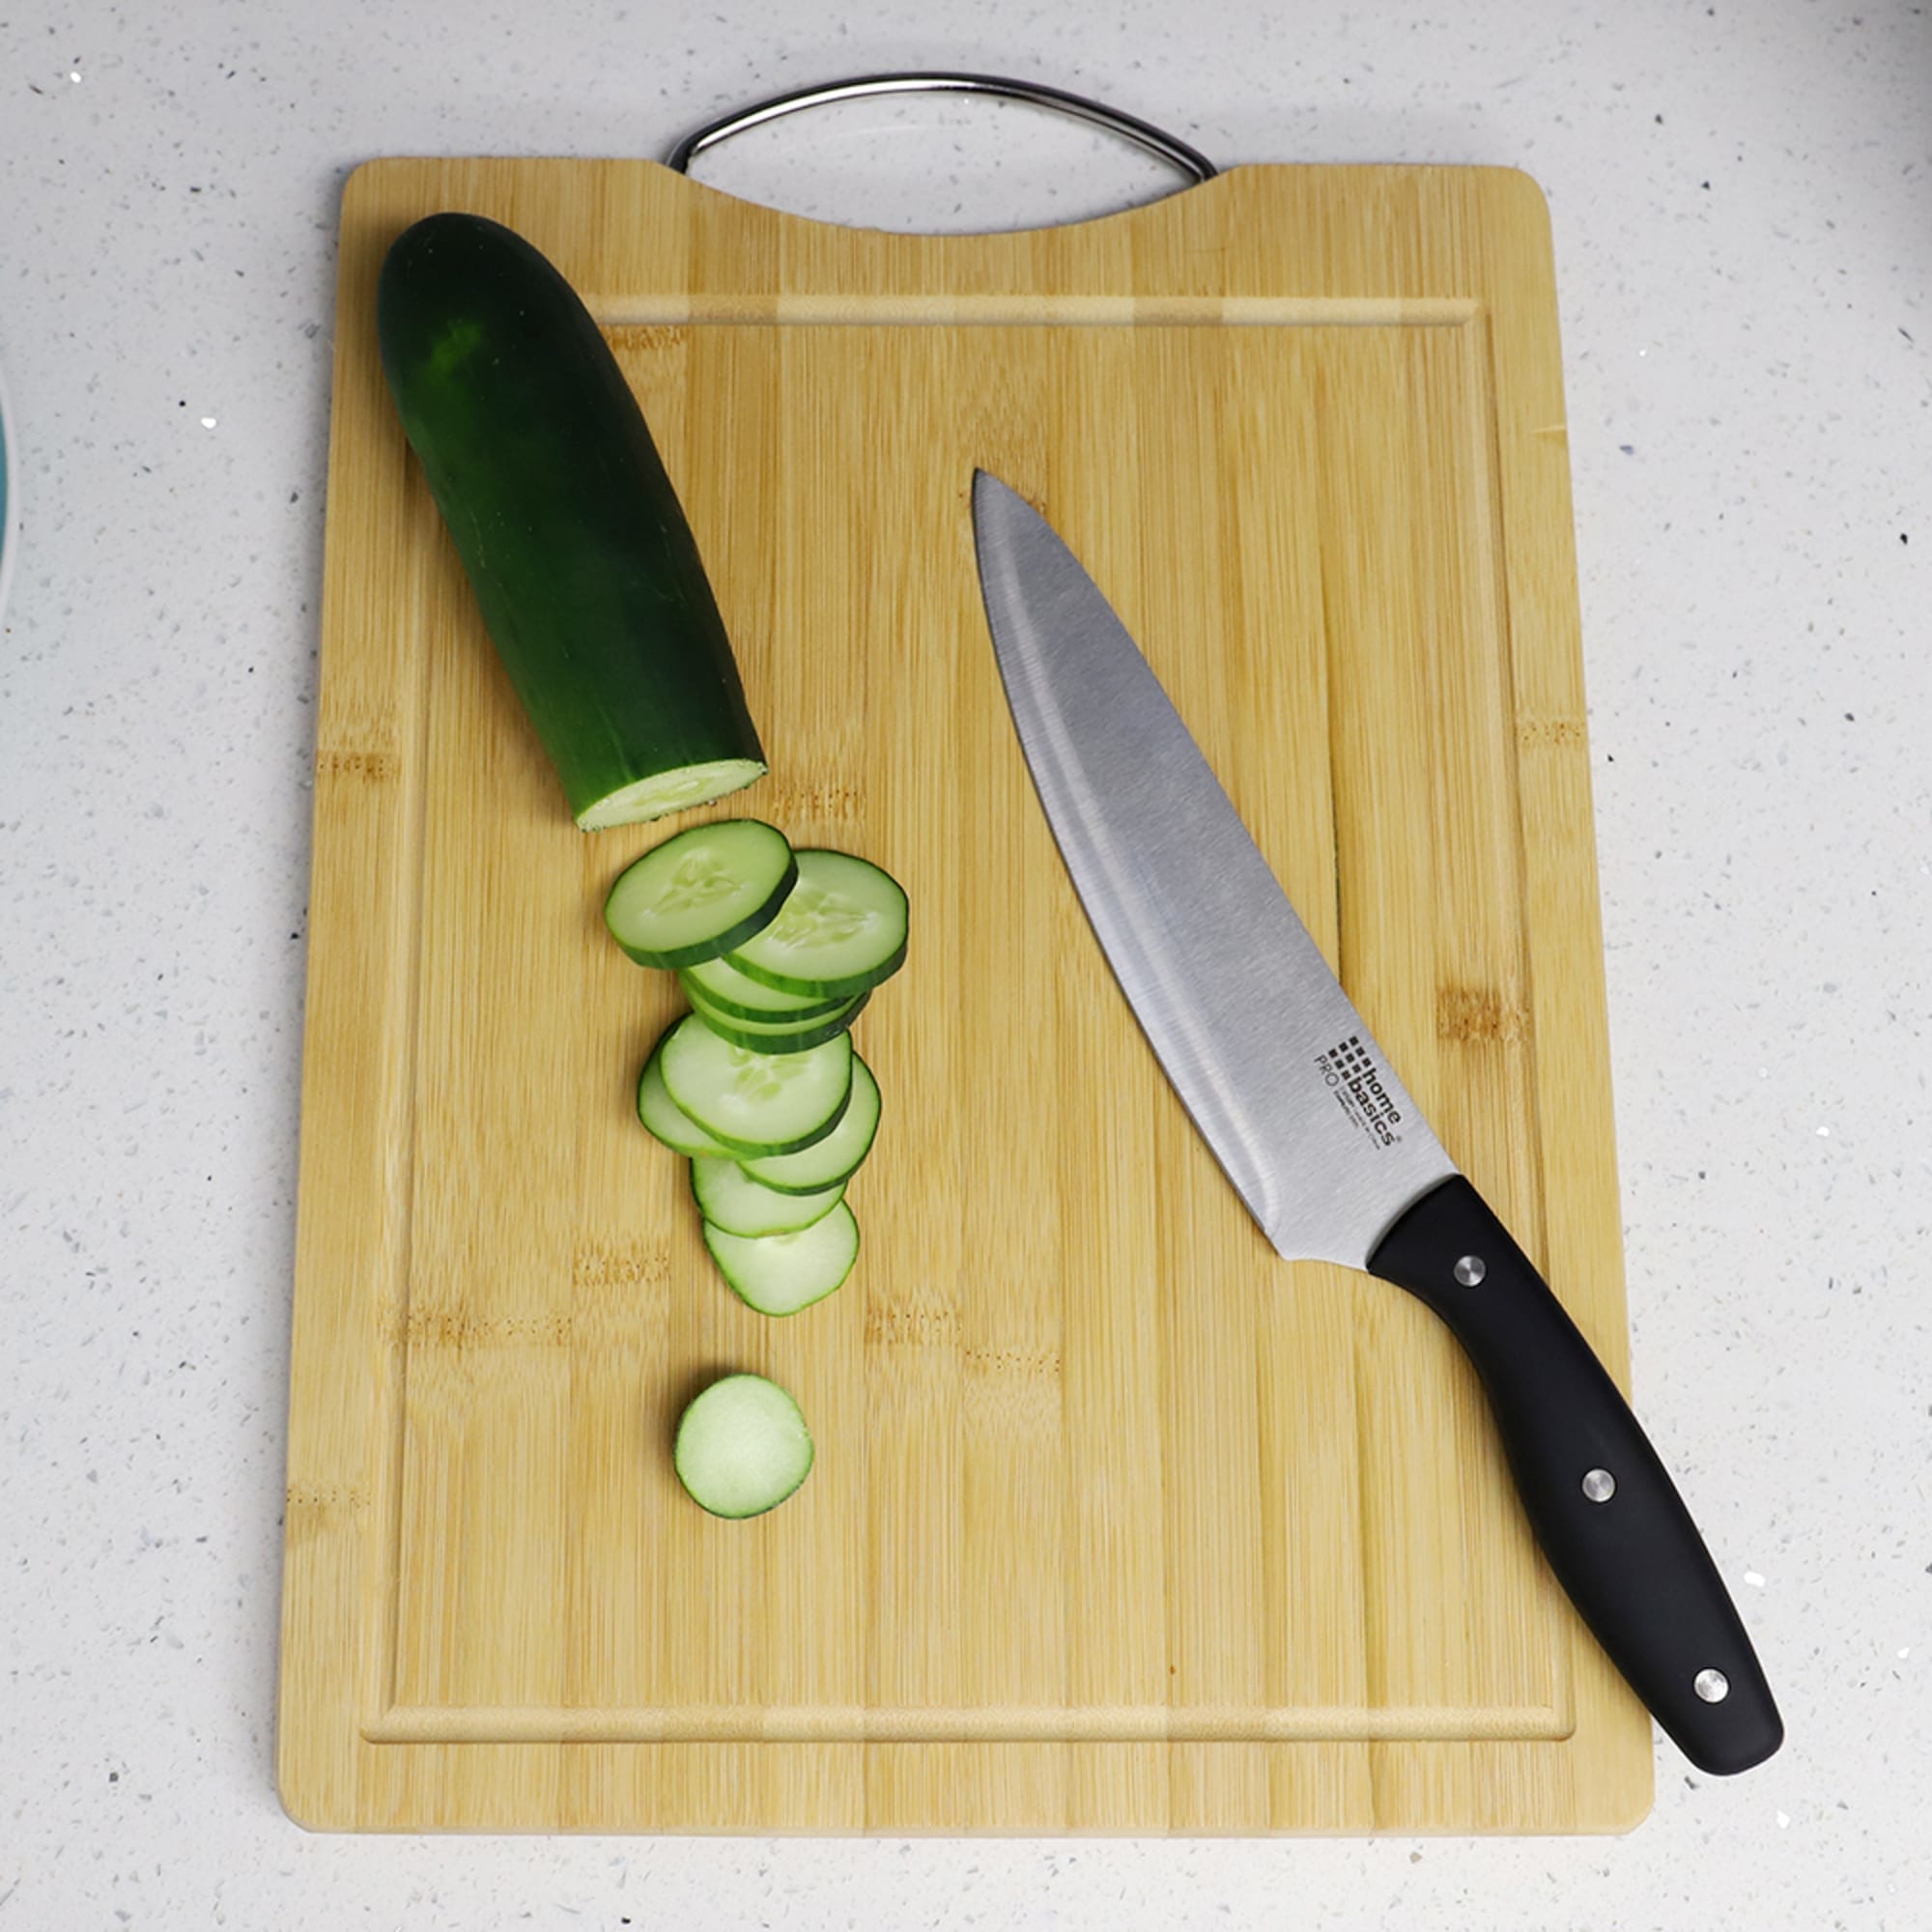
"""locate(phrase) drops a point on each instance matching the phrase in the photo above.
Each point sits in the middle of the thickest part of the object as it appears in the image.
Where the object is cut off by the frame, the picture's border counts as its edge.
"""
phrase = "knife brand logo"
(1349, 1074)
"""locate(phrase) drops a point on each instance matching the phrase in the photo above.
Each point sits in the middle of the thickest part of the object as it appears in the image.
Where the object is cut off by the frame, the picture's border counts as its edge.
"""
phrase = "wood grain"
(1119, 1522)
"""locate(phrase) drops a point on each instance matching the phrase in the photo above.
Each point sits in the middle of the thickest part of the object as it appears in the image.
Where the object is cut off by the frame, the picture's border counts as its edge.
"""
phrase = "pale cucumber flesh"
(742, 1447)
(703, 890)
(841, 930)
(674, 790)
(664, 1119)
(781, 1274)
(756, 1103)
(728, 1198)
(838, 1156)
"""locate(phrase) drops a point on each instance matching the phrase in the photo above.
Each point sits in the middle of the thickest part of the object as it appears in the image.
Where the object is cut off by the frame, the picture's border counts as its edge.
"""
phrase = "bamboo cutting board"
(1119, 1522)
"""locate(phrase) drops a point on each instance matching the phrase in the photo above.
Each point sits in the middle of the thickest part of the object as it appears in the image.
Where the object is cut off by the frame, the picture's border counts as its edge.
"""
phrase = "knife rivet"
(1600, 1486)
(1713, 1686)
(1470, 1269)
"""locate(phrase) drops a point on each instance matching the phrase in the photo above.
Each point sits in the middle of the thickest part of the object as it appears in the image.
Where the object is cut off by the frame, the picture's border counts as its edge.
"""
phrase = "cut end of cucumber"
(670, 792)
(742, 1447)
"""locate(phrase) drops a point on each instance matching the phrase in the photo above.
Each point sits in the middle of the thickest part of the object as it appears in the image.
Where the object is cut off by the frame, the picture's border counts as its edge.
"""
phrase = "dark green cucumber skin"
(540, 460)
(733, 1009)
(795, 1040)
(841, 988)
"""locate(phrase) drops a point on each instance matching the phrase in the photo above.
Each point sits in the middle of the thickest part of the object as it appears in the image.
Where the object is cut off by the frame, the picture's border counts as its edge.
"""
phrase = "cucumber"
(792, 1036)
(755, 1103)
(725, 989)
(703, 890)
(832, 1161)
(742, 1447)
(587, 574)
(779, 1274)
(730, 1199)
(841, 930)
(662, 1116)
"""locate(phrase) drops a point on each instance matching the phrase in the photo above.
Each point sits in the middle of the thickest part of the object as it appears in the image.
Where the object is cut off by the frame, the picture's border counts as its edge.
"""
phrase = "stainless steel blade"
(1265, 1048)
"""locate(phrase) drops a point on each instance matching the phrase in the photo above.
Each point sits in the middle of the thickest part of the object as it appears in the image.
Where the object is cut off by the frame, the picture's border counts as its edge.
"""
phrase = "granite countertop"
(1742, 200)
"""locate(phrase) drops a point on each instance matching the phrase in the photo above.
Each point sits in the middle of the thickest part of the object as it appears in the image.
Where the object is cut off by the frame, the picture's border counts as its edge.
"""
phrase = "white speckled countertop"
(1743, 205)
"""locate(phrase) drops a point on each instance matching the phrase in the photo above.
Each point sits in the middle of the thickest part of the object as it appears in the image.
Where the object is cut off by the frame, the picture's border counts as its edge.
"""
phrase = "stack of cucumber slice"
(759, 1085)
(777, 952)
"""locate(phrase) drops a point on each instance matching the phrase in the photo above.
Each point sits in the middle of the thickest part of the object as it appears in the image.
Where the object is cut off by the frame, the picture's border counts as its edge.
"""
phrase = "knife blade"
(1315, 1131)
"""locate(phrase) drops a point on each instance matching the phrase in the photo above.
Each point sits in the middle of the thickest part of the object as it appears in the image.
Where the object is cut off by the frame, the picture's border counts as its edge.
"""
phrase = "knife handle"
(1606, 1514)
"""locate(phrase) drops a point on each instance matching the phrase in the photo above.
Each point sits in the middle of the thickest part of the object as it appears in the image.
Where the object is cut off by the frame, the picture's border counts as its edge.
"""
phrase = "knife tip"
(993, 498)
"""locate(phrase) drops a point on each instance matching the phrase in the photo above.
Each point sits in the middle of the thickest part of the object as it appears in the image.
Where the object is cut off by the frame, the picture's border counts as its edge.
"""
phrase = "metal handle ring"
(1141, 133)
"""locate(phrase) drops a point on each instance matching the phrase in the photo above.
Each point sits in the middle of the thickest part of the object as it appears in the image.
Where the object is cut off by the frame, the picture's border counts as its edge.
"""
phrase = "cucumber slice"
(662, 1116)
(782, 1036)
(778, 1274)
(728, 1198)
(835, 1159)
(754, 1103)
(725, 990)
(842, 930)
(742, 1447)
(708, 889)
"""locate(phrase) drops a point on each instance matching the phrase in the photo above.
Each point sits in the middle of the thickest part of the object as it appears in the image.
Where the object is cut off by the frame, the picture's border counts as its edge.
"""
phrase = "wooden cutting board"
(1119, 1522)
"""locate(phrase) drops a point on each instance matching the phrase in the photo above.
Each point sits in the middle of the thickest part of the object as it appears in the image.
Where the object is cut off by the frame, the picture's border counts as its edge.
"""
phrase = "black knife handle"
(1606, 1514)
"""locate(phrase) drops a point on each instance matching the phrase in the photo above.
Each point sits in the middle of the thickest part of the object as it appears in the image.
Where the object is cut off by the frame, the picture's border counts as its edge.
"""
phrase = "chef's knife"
(1315, 1131)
